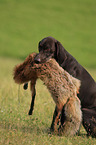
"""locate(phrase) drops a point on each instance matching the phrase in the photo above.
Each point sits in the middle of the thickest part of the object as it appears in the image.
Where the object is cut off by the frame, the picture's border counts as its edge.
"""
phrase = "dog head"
(49, 47)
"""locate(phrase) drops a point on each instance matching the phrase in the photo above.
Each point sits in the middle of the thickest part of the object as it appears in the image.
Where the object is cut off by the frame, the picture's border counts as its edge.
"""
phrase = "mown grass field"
(22, 25)
(16, 127)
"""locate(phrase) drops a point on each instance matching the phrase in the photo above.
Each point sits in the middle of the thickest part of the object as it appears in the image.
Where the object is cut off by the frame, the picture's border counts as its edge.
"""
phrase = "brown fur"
(62, 86)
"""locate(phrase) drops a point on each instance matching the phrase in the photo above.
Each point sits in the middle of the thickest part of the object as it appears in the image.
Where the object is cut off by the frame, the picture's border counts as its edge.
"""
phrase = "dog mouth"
(48, 58)
(42, 59)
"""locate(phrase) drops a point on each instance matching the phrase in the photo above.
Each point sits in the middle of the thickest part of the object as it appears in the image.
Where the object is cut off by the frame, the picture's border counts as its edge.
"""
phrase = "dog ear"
(60, 54)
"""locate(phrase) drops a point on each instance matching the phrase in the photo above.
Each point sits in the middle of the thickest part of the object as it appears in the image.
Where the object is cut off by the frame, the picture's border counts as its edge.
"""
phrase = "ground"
(16, 127)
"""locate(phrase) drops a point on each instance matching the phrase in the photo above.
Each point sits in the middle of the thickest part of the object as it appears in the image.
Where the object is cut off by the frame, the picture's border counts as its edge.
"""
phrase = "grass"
(24, 23)
(16, 127)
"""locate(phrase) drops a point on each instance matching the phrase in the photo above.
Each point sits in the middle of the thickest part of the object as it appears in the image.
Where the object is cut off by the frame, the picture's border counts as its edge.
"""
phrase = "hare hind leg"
(73, 117)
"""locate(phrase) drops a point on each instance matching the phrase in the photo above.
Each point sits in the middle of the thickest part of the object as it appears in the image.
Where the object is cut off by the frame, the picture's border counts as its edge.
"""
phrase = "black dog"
(51, 48)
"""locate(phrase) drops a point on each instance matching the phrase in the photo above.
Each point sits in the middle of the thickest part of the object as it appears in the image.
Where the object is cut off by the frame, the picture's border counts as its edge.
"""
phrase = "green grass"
(24, 23)
(16, 127)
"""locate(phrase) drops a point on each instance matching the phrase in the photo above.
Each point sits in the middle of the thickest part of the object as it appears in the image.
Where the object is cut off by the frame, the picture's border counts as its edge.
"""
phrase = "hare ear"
(60, 54)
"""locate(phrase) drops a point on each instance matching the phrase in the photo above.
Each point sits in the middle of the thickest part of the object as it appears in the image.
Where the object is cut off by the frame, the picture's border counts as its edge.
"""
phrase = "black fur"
(25, 86)
(32, 104)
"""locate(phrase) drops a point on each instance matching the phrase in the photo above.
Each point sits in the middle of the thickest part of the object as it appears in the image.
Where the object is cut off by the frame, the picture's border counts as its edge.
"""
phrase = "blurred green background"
(23, 23)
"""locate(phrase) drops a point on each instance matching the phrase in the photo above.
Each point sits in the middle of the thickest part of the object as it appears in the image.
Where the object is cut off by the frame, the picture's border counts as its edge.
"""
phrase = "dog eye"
(47, 49)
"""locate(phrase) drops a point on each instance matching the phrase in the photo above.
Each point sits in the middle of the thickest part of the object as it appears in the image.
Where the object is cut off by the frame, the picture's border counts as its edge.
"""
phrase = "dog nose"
(37, 60)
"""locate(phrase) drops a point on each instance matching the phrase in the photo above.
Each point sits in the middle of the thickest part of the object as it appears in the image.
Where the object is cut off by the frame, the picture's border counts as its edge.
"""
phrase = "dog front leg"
(33, 91)
(54, 117)
(56, 120)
